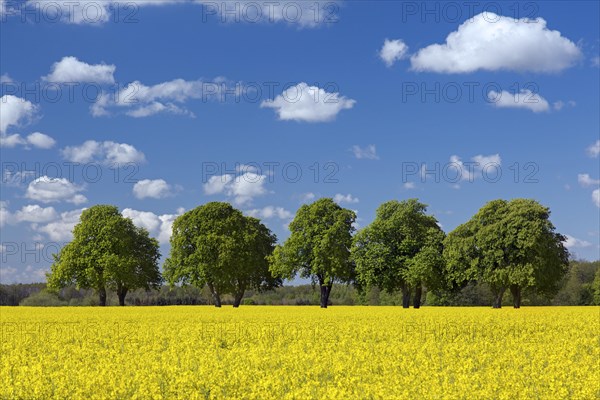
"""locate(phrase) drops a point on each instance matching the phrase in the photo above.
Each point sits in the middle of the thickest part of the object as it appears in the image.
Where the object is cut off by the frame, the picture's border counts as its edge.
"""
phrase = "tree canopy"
(318, 247)
(216, 245)
(400, 250)
(107, 252)
(508, 245)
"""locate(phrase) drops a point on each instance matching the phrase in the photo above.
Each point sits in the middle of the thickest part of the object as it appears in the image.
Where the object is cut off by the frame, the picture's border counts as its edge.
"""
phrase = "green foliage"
(43, 298)
(578, 286)
(596, 288)
(319, 244)
(217, 246)
(508, 244)
(107, 252)
(401, 248)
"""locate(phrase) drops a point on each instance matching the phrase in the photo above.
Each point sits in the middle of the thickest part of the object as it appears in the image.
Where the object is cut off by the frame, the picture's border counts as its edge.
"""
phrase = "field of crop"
(300, 353)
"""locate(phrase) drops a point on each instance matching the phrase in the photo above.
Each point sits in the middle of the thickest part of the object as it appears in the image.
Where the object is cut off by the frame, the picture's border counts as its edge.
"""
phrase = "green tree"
(216, 245)
(400, 250)
(508, 245)
(107, 252)
(596, 288)
(318, 247)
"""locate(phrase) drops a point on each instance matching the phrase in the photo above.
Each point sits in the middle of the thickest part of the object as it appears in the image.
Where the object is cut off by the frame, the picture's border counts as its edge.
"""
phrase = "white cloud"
(217, 184)
(30, 274)
(60, 229)
(49, 190)
(525, 99)
(36, 139)
(108, 153)
(269, 212)
(369, 152)
(586, 181)
(596, 197)
(71, 70)
(492, 42)
(409, 185)
(307, 197)
(94, 12)
(5, 78)
(596, 61)
(348, 198)
(159, 226)
(143, 101)
(35, 213)
(5, 216)
(15, 111)
(302, 14)
(457, 170)
(242, 188)
(156, 189)
(41, 140)
(308, 104)
(11, 141)
(392, 51)
(573, 242)
(594, 149)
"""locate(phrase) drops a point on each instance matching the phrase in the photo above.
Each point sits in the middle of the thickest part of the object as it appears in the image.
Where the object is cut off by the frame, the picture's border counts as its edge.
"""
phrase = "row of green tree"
(579, 287)
(507, 245)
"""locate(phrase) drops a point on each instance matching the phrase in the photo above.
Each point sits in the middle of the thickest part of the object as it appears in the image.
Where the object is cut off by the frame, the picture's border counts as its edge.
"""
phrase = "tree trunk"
(102, 296)
(498, 298)
(325, 291)
(516, 293)
(215, 295)
(237, 300)
(405, 296)
(121, 293)
(417, 298)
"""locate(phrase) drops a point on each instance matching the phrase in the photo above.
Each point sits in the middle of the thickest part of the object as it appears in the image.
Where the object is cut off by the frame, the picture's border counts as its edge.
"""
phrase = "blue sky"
(161, 106)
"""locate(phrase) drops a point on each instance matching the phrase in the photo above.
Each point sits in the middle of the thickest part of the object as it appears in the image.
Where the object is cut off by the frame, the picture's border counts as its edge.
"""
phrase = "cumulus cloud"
(139, 100)
(242, 188)
(573, 242)
(35, 213)
(156, 189)
(308, 104)
(409, 185)
(5, 78)
(594, 149)
(5, 215)
(108, 153)
(524, 99)
(94, 12)
(71, 70)
(348, 198)
(15, 111)
(270, 212)
(596, 197)
(586, 180)
(492, 42)
(302, 14)
(392, 51)
(369, 152)
(159, 226)
(29, 274)
(307, 197)
(50, 190)
(37, 139)
(60, 229)
(457, 170)
(41, 140)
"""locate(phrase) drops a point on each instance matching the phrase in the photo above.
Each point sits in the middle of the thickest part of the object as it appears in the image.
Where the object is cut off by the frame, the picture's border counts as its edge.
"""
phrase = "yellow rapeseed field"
(300, 353)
